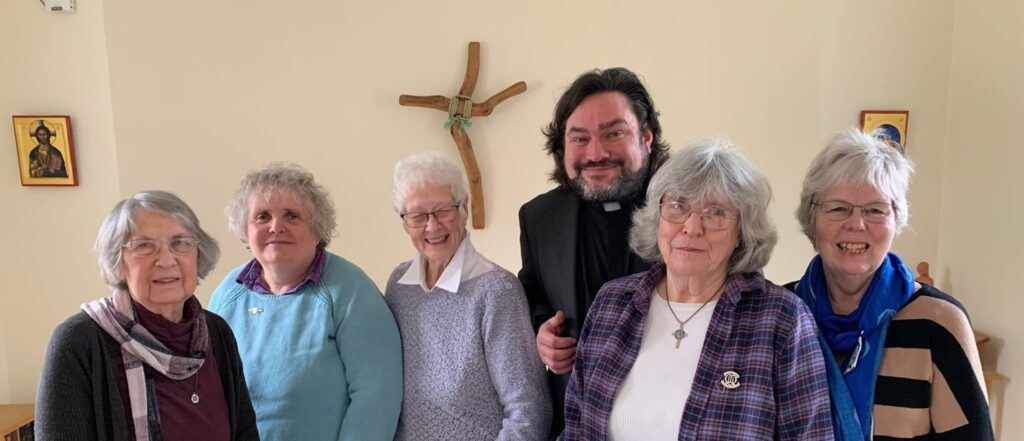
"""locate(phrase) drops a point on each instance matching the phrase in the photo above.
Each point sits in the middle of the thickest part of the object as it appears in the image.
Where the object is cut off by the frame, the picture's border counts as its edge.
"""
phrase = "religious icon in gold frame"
(46, 153)
(893, 123)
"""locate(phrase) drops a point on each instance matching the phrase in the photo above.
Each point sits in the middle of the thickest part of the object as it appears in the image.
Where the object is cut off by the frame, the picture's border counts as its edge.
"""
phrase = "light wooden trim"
(14, 416)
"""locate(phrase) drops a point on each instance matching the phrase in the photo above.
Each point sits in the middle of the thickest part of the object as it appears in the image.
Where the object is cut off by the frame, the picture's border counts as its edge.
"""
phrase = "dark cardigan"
(80, 395)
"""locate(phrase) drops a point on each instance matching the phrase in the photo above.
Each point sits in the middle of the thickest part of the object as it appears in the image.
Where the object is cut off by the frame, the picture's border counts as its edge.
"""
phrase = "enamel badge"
(730, 380)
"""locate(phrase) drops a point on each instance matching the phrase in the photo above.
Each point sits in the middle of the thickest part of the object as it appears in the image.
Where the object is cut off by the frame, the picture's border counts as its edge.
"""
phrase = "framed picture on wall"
(892, 122)
(46, 153)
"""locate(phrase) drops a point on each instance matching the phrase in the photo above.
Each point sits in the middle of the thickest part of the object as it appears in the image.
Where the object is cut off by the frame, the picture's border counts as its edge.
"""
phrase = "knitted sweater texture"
(323, 363)
(471, 368)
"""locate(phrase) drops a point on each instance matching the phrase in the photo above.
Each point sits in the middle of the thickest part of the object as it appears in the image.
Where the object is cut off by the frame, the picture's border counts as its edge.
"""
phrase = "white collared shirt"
(466, 264)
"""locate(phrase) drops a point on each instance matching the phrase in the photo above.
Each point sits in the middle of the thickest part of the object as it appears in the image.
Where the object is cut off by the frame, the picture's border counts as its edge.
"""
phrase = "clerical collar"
(613, 206)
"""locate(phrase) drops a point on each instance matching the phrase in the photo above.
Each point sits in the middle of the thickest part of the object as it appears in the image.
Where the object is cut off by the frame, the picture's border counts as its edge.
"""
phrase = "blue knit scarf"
(860, 334)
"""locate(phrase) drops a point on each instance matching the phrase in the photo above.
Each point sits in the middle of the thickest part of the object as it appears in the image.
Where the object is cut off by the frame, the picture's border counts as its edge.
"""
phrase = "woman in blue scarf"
(901, 357)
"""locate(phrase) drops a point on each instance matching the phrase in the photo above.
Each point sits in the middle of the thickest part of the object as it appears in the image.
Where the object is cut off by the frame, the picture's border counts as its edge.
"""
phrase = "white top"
(466, 264)
(649, 404)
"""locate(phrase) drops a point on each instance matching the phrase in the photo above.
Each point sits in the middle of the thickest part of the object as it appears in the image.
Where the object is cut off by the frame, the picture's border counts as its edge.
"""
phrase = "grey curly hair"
(287, 178)
(711, 168)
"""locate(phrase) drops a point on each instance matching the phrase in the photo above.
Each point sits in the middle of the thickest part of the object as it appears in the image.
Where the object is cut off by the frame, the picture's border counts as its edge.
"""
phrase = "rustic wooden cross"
(460, 109)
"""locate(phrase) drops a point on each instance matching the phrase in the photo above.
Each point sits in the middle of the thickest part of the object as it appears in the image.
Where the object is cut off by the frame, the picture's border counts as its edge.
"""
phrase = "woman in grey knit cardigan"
(471, 370)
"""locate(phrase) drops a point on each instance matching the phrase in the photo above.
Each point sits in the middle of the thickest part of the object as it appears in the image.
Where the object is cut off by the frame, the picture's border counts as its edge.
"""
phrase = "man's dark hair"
(616, 79)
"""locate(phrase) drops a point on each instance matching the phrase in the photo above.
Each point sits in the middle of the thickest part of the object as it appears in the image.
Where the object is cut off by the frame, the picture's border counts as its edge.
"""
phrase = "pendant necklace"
(195, 387)
(680, 334)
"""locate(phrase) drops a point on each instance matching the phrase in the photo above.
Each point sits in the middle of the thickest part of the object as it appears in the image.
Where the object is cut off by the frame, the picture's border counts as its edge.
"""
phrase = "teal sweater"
(323, 363)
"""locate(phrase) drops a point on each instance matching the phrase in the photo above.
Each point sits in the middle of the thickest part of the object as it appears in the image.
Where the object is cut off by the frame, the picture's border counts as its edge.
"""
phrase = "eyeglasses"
(713, 218)
(838, 211)
(418, 219)
(147, 247)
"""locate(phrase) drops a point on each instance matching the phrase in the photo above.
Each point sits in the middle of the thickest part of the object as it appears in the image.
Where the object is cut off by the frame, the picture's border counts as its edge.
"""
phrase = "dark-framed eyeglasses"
(713, 218)
(418, 219)
(875, 212)
(183, 245)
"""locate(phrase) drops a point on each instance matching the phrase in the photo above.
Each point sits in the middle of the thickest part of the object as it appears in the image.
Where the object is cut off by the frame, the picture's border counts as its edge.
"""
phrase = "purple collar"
(249, 277)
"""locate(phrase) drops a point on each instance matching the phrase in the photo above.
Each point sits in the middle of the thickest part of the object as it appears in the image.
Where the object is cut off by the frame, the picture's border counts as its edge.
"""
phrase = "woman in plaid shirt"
(701, 346)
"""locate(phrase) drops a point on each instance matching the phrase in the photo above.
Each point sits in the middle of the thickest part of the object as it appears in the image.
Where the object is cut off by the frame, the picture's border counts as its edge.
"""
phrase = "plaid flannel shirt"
(759, 331)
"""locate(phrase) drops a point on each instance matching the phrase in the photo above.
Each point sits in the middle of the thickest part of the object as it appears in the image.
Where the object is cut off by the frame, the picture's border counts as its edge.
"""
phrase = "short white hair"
(857, 158)
(420, 169)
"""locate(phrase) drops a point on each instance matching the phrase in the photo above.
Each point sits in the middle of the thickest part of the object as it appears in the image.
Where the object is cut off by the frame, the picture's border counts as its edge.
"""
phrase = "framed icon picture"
(893, 123)
(46, 152)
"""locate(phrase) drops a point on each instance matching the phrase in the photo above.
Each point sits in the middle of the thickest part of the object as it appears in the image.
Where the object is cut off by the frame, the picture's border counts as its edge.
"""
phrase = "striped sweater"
(930, 385)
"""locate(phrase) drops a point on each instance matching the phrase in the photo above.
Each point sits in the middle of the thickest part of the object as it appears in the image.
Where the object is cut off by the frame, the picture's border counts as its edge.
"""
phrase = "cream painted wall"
(273, 82)
(56, 64)
(979, 251)
(204, 91)
(319, 86)
(5, 384)
(894, 56)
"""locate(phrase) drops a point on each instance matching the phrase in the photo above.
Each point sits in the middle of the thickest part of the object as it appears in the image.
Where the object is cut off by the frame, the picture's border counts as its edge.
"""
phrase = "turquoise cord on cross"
(454, 115)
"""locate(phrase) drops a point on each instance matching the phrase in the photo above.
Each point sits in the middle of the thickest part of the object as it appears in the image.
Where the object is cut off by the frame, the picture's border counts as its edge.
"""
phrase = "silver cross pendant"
(679, 334)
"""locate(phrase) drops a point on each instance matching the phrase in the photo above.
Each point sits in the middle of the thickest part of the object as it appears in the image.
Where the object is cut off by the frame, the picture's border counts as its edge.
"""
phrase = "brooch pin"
(730, 380)
(255, 310)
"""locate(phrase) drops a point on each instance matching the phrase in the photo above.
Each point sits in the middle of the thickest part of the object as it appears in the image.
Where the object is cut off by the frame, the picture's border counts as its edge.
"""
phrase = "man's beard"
(627, 183)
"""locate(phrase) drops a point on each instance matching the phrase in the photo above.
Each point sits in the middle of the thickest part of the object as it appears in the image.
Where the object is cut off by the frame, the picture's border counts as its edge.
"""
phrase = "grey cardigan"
(79, 394)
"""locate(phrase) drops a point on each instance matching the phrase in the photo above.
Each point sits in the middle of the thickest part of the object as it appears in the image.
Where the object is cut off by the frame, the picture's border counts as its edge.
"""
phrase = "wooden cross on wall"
(460, 109)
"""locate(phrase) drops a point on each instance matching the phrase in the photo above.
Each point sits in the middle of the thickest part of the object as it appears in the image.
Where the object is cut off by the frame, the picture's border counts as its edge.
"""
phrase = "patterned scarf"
(115, 315)
(860, 334)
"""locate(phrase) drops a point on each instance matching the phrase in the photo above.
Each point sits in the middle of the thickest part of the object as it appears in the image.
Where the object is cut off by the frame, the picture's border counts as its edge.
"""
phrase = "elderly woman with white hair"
(471, 370)
(901, 358)
(321, 350)
(701, 346)
(147, 362)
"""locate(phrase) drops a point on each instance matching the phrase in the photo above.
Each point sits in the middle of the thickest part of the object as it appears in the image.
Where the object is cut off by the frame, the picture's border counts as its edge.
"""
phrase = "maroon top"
(180, 419)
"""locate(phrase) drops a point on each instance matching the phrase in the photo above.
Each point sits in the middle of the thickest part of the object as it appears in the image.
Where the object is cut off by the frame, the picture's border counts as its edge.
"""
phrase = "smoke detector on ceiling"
(59, 5)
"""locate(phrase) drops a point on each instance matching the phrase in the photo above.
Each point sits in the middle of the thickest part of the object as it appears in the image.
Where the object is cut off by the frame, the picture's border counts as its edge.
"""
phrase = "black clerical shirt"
(603, 248)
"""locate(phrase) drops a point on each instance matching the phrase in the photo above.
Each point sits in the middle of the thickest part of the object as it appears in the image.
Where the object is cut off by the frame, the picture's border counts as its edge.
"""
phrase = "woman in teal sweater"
(321, 350)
